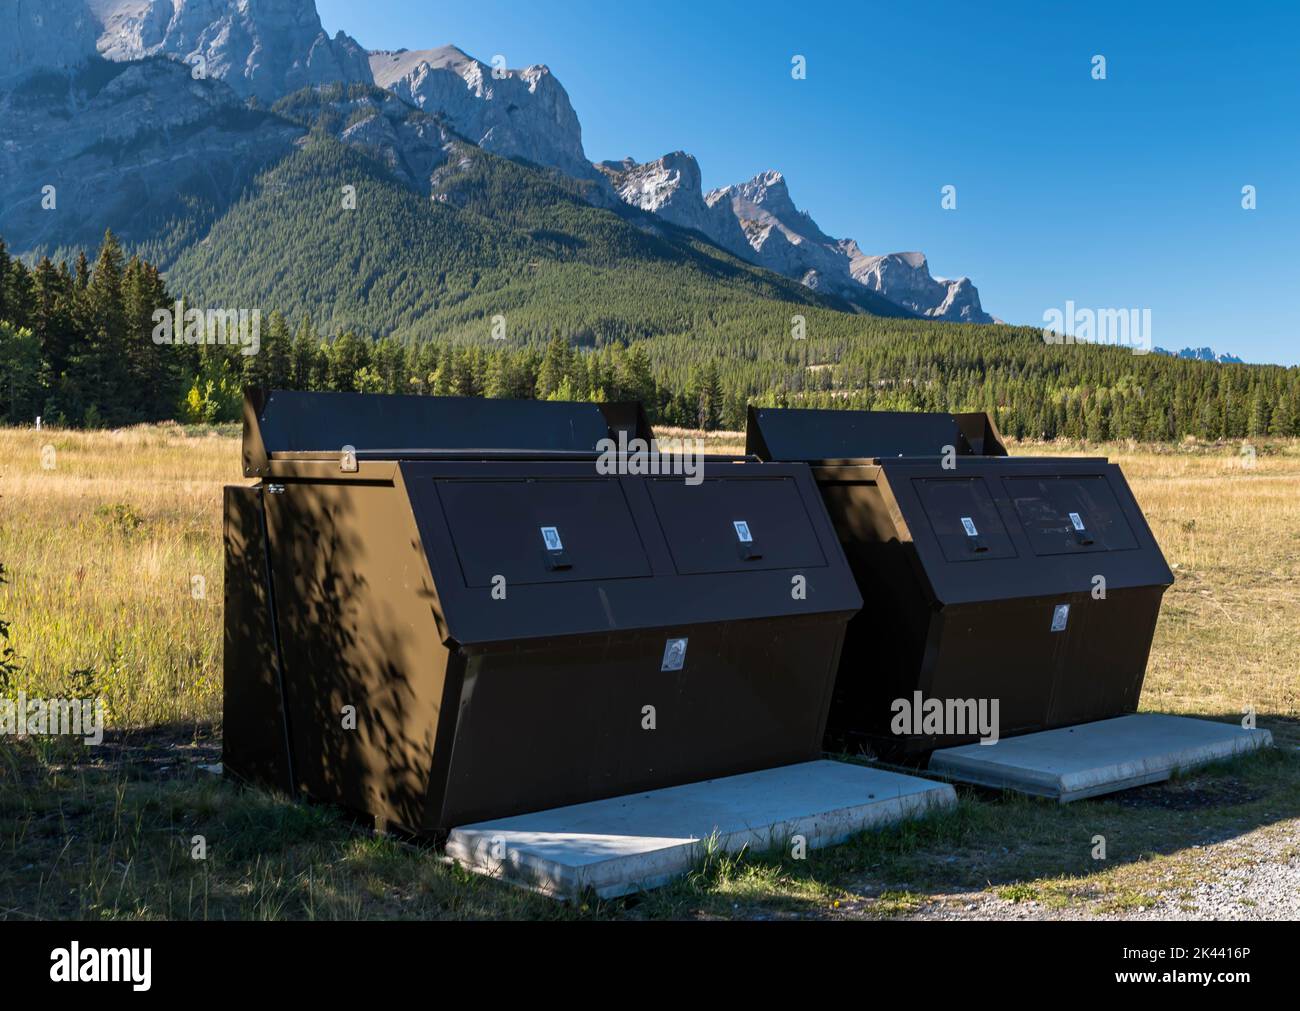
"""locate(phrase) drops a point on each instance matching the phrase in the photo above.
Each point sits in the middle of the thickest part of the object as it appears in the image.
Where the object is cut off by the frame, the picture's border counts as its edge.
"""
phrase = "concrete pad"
(644, 840)
(1095, 758)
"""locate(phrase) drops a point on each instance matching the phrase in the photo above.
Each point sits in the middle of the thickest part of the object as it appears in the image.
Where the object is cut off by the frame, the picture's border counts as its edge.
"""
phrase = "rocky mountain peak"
(767, 189)
(905, 278)
(260, 48)
(514, 113)
(672, 181)
(671, 187)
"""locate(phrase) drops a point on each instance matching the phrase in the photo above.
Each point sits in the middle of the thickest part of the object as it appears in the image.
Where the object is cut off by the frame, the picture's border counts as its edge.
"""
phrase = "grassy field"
(112, 548)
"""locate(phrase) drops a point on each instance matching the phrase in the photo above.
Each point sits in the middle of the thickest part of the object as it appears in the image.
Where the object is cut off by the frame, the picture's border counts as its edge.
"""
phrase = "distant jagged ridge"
(1200, 355)
(759, 221)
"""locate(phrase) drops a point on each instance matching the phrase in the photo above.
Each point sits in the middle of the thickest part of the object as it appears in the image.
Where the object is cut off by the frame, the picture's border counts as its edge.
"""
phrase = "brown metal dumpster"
(464, 617)
(1035, 582)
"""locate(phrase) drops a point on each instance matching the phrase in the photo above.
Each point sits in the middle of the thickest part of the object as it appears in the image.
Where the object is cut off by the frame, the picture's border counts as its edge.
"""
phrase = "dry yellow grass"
(102, 550)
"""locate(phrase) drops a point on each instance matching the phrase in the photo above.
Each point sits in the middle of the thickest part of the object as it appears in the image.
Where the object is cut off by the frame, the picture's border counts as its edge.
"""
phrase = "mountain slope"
(45, 34)
(268, 49)
(496, 239)
(147, 117)
(138, 147)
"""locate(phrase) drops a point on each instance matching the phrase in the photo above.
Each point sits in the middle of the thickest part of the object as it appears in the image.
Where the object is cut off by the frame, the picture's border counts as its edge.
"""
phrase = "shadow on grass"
(135, 829)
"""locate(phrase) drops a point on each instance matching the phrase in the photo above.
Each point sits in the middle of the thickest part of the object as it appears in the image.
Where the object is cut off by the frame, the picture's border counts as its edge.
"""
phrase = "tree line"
(77, 348)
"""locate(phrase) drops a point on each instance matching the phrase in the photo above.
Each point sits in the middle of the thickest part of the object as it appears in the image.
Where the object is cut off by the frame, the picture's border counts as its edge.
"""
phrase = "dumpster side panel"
(364, 668)
(876, 668)
(254, 746)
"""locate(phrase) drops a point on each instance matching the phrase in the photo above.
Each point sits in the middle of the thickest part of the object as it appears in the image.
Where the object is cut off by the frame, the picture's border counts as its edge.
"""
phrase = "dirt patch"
(1189, 795)
(154, 754)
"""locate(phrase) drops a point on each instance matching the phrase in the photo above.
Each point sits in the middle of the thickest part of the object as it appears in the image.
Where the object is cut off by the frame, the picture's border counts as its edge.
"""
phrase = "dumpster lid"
(286, 423)
(816, 435)
(578, 553)
(1022, 527)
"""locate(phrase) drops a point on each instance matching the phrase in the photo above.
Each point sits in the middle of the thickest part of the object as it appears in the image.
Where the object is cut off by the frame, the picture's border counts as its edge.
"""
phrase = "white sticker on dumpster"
(742, 531)
(1077, 520)
(674, 655)
(969, 524)
(1060, 617)
(552, 538)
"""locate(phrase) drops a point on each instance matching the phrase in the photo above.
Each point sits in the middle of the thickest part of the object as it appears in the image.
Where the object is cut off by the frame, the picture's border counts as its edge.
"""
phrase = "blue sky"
(1122, 193)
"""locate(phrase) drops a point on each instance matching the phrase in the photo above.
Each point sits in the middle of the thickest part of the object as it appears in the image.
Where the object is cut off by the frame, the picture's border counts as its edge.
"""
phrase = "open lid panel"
(523, 550)
(286, 424)
(812, 436)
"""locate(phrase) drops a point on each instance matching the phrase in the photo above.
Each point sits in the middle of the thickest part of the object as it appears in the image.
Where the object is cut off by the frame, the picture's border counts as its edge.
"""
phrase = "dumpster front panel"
(1105, 658)
(598, 717)
(1055, 526)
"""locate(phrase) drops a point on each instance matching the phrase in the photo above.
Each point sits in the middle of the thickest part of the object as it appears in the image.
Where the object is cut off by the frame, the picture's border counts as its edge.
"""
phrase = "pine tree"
(272, 367)
(51, 321)
(635, 380)
(556, 364)
(348, 355)
(709, 398)
(303, 355)
(98, 365)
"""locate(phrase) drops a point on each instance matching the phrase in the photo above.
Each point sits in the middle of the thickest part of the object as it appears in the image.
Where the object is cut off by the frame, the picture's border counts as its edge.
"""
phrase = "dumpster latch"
(745, 541)
(556, 558)
(1080, 530)
(348, 460)
(976, 543)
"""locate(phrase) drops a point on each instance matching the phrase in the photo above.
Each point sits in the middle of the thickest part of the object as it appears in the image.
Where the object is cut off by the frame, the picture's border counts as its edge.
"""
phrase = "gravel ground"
(1252, 877)
(1257, 877)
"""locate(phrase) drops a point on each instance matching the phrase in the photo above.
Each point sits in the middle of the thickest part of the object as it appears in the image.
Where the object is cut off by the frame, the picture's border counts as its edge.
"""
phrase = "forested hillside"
(507, 283)
(497, 240)
(76, 347)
